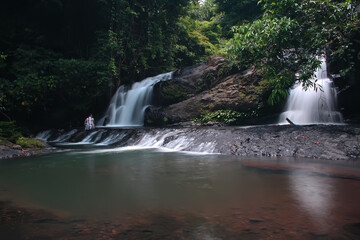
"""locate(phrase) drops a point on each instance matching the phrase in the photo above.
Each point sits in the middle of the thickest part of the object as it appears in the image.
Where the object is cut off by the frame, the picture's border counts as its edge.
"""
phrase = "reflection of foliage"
(290, 36)
(226, 116)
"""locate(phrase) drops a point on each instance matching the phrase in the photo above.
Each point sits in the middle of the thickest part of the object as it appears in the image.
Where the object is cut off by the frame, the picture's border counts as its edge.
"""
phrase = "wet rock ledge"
(321, 142)
(317, 141)
(329, 142)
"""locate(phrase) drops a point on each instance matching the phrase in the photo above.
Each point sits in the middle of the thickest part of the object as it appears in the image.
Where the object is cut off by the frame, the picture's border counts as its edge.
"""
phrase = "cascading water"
(311, 106)
(127, 107)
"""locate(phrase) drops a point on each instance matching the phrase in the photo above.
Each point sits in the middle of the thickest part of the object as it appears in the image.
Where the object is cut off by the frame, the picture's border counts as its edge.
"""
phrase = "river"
(140, 193)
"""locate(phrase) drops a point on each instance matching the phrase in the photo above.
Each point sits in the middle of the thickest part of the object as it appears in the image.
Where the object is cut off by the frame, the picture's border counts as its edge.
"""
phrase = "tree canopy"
(290, 37)
(63, 59)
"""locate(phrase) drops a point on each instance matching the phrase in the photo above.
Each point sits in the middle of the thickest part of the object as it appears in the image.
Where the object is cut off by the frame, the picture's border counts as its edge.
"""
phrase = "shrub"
(226, 116)
(9, 131)
(28, 142)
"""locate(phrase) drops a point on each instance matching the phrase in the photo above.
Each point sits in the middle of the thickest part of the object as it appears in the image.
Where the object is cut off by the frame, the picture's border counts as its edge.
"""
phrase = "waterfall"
(311, 106)
(127, 107)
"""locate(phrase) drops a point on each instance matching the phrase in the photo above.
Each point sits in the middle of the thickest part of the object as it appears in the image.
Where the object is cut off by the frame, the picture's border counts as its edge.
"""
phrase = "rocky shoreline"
(11, 150)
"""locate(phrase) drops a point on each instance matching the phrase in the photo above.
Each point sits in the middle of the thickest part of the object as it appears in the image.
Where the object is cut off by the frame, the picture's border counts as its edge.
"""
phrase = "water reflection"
(201, 196)
(315, 196)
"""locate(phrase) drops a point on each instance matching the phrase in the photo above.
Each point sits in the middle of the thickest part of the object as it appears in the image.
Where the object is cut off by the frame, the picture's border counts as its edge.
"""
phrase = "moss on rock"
(29, 142)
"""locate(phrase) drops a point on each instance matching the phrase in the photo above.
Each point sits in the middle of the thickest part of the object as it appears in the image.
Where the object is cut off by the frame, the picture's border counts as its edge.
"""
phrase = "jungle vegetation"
(61, 59)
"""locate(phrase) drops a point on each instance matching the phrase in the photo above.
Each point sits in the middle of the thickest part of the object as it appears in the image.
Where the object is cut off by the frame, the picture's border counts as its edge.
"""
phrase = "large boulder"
(242, 92)
(207, 87)
(188, 82)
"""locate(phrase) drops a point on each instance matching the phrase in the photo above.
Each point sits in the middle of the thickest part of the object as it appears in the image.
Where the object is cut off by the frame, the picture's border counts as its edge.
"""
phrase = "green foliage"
(9, 131)
(235, 12)
(142, 39)
(226, 116)
(62, 58)
(198, 34)
(42, 78)
(291, 35)
(29, 142)
(2, 69)
(325, 24)
(263, 43)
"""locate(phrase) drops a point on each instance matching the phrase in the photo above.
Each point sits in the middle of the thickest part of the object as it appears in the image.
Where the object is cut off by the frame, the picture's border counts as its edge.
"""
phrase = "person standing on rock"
(89, 123)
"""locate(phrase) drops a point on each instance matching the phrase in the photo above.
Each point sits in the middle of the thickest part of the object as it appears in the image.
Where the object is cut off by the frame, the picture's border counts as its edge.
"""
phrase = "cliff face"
(203, 88)
(188, 82)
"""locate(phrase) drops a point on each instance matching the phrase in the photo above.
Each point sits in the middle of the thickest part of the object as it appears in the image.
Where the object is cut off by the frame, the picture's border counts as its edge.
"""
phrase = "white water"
(127, 107)
(168, 140)
(172, 140)
(45, 135)
(66, 136)
(175, 140)
(311, 106)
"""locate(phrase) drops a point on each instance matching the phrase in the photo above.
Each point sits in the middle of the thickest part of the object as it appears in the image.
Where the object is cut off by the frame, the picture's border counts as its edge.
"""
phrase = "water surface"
(188, 195)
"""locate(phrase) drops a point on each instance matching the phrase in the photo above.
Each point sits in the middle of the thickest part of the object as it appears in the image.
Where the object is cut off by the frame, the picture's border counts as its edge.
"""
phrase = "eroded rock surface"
(328, 142)
(203, 88)
(241, 92)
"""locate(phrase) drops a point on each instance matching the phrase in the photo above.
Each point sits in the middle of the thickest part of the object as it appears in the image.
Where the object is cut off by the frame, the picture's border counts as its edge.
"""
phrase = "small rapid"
(167, 140)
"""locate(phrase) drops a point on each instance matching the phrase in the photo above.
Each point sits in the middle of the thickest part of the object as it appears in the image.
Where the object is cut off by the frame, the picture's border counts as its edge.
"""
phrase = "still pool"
(150, 194)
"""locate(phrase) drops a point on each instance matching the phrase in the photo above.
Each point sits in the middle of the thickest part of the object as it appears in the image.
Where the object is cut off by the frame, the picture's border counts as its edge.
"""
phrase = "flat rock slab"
(329, 142)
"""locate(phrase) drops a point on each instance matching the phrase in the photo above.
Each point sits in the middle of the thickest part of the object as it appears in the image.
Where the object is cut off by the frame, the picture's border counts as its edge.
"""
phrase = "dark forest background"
(62, 59)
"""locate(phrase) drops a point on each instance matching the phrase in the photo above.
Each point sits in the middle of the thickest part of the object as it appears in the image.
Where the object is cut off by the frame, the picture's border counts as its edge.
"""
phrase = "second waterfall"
(313, 106)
